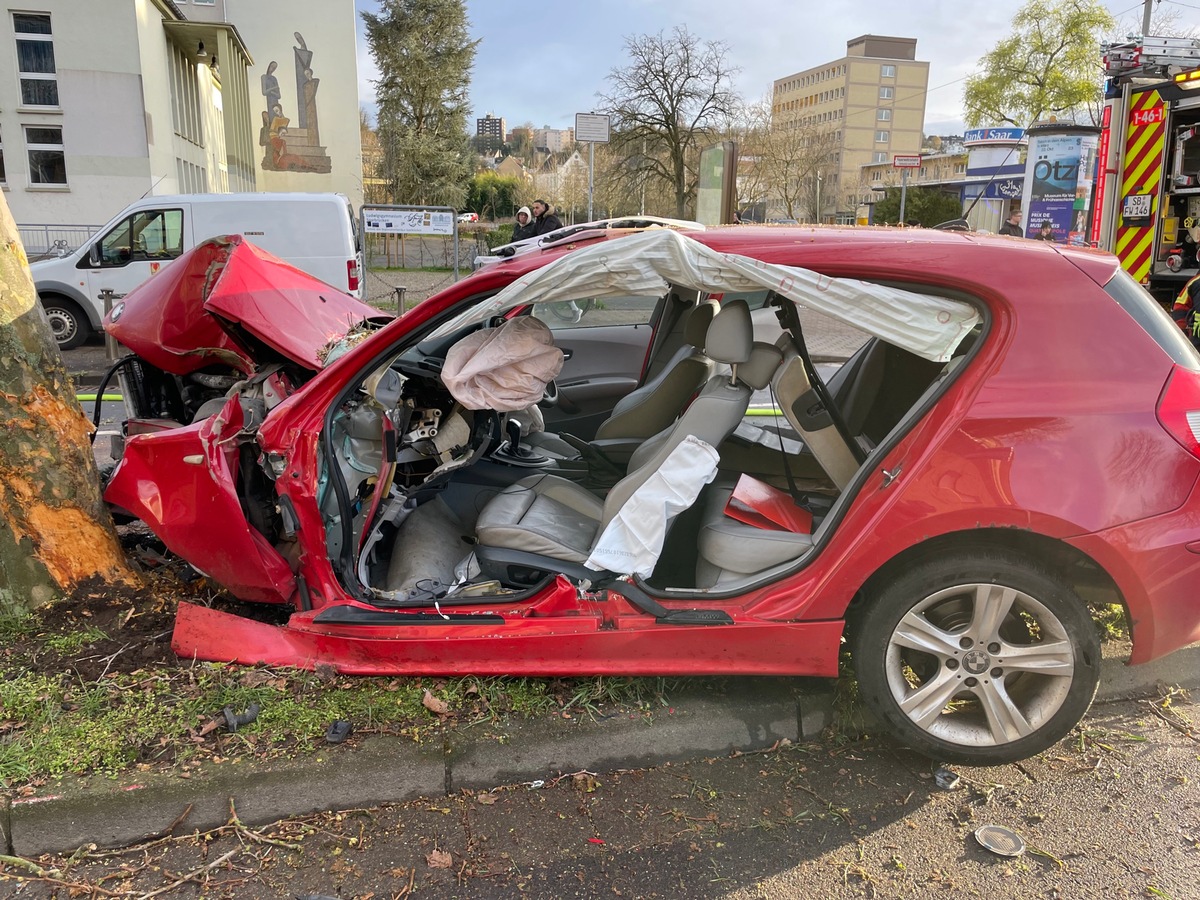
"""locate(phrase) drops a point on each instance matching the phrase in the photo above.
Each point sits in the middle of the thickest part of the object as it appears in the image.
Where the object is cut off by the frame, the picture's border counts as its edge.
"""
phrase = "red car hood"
(202, 309)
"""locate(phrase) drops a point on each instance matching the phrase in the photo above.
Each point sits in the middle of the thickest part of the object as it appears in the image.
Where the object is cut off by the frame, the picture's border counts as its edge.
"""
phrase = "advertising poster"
(1060, 173)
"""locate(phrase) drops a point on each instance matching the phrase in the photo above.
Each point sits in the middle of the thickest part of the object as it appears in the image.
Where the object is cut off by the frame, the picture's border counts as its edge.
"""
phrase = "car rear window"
(1155, 321)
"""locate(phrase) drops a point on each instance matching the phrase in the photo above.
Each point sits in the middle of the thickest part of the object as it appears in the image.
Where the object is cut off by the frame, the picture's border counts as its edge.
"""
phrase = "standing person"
(1012, 227)
(524, 227)
(1045, 232)
(1184, 311)
(544, 219)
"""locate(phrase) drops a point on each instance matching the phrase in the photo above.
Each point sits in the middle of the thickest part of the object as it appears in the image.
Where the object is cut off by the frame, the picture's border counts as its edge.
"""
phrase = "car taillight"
(352, 274)
(1179, 408)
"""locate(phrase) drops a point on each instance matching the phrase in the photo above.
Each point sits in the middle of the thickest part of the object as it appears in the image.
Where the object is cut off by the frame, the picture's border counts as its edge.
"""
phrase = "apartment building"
(490, 132)
(110, 100)
(872, 100)
(553, 140)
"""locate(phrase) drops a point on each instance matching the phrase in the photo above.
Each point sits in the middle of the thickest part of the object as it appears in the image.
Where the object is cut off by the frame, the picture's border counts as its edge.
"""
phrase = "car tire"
(68, 324)
(980, 658)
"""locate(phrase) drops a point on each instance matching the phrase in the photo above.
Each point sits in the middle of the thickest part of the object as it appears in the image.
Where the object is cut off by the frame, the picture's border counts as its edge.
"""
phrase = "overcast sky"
(542, 63)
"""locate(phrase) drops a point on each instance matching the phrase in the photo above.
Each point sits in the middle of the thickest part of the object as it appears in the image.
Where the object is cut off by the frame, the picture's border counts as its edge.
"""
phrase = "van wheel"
(67, 322)
(980, 658)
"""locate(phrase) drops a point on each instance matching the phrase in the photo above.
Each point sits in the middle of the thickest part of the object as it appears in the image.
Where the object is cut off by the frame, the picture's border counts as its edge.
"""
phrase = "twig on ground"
(191, 876)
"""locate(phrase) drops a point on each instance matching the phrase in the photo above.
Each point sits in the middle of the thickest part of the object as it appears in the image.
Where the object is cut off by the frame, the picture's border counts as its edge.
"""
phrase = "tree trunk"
(55, 533)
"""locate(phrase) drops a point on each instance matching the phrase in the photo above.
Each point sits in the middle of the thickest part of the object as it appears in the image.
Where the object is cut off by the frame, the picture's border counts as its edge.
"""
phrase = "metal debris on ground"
(1000, 840)
(946, 779)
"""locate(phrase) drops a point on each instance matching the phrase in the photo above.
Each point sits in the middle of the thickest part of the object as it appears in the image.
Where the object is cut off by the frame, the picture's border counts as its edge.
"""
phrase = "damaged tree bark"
(55, 532)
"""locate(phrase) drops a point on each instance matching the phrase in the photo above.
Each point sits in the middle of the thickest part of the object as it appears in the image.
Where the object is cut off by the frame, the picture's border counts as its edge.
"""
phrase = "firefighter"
(1184, 311)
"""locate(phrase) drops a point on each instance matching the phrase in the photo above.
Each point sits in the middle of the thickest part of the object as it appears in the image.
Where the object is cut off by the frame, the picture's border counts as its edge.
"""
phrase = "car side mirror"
(94, 255)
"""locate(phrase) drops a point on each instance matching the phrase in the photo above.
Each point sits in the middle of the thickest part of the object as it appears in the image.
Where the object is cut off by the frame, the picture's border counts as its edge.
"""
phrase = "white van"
(314, 232)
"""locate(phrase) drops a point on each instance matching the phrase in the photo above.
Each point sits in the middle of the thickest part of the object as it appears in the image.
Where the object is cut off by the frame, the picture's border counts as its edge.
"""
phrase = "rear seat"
(730, 550)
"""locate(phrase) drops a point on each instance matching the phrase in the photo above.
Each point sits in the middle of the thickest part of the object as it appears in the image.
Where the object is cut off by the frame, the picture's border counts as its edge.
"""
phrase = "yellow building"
(936, 169)
(872, 100)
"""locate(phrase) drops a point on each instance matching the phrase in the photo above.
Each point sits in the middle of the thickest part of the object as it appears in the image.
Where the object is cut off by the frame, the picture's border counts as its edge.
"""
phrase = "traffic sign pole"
(904, 162)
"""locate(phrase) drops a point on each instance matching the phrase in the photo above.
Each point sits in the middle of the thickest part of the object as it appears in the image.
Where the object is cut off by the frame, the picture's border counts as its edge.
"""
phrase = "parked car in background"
(468, 217)
(317, 233)
(950, 501)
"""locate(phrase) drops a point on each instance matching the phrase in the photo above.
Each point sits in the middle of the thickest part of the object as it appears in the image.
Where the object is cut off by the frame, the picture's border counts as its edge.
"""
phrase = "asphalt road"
(1112, 812)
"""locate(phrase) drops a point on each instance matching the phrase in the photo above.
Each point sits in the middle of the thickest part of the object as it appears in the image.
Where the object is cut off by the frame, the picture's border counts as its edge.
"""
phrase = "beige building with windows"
(106, 101)
(872, 100)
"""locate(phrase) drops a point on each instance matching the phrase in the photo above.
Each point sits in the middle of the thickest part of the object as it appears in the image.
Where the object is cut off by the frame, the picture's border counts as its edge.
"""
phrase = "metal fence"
(414, 251)
(51, 240)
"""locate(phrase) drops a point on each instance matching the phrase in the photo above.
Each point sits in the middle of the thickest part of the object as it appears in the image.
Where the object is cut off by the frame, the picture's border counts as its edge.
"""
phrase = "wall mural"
(288, 148)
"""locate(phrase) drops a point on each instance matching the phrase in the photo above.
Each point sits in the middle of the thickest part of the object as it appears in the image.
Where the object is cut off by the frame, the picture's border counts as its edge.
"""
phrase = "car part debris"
(338, 731)
(945, 779)
(234, 721)
(1000, 840)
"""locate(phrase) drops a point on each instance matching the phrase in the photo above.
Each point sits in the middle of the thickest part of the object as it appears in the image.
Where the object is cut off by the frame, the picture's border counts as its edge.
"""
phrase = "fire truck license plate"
(1137, 206)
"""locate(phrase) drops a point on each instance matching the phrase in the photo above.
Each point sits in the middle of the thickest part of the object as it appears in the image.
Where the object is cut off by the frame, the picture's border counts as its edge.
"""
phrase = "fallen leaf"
(486, 799)
(439, 859)
(434, 705)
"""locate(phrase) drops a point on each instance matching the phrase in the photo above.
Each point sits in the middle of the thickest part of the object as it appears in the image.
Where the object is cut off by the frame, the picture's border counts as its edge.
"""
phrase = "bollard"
(107, 296)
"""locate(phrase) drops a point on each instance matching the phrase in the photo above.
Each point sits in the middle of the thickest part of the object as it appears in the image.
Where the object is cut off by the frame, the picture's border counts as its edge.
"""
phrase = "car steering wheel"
(550, 395)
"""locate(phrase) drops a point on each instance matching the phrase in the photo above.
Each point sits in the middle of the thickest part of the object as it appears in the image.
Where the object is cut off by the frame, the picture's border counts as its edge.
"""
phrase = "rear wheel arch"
(1084, 574)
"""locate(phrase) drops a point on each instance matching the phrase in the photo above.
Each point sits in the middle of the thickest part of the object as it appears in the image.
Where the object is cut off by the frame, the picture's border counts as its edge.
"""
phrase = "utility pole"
(1147, 8)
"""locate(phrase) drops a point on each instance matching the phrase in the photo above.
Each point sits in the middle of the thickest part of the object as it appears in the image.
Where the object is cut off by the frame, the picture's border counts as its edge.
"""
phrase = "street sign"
(591, 128)
(900, 161)
(378, 220)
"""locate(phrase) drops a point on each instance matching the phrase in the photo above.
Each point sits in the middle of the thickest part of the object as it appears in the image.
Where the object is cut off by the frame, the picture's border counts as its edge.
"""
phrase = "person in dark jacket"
(544, 219)
(1045, 232)
(1013, 226)
(524, 227)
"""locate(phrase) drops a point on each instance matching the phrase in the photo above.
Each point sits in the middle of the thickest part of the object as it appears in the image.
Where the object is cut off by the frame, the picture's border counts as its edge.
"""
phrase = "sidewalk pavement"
(753, 714)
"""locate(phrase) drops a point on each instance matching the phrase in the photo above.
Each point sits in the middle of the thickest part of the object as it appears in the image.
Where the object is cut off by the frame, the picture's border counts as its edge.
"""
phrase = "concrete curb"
(753, 714)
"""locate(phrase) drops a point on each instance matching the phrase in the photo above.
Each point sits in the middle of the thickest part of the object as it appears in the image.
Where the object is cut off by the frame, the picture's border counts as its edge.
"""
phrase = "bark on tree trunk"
(55, 532)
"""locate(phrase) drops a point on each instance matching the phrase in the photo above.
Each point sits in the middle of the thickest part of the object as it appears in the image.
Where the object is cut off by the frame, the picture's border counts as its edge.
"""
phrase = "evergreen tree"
(424, 55)
(926, 206)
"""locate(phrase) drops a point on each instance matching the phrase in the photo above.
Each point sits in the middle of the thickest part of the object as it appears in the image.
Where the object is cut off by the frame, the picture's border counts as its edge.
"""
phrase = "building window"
(185, 99)
(47, 161)
(881, 137)
(883, 115)
(879, 156)
(886, 93)
(35, 59)
(887, 71)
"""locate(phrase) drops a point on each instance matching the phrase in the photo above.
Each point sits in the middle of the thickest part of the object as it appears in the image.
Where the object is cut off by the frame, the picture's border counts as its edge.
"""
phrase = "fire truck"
(1147, 209)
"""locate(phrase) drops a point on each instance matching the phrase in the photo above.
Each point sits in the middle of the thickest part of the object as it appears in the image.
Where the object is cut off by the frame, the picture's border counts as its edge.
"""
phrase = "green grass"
(1111, 622)
(53, 727)
(71, 643)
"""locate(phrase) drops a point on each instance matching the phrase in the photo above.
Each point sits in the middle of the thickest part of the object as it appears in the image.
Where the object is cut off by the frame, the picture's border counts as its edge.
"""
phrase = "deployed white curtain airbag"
(647, 264)
(505, 368)
(633, 540)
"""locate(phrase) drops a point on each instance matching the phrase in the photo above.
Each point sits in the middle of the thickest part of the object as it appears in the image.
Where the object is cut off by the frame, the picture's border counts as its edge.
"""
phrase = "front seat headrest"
(731, 334)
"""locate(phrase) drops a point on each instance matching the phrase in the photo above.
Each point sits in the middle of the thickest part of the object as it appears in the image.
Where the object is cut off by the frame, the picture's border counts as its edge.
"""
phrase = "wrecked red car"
(617, 454)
